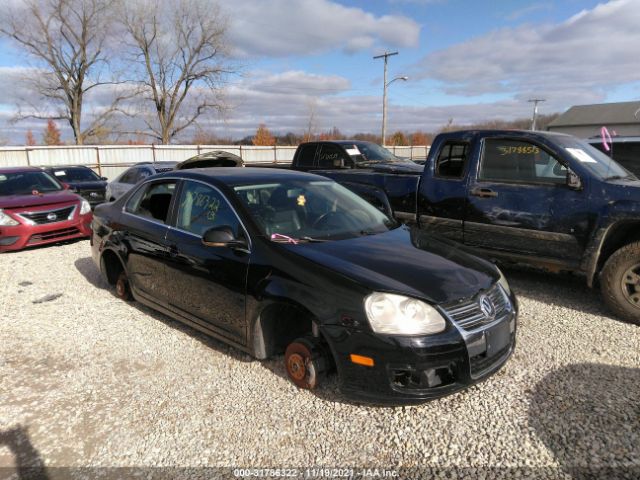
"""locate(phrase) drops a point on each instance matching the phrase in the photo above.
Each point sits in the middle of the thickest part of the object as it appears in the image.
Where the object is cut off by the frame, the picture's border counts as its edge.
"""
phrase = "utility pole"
(535, 102)
(386, 56)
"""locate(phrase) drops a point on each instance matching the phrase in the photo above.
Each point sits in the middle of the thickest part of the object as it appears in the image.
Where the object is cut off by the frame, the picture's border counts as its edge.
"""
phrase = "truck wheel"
(620, 282)
(306, 362)
(123, 290)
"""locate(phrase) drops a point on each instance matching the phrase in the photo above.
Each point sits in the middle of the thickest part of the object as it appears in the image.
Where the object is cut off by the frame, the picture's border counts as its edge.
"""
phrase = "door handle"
(483, 193)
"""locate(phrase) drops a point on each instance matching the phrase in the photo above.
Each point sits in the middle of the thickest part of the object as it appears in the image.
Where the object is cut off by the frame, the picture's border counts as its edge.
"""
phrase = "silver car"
(132, 175)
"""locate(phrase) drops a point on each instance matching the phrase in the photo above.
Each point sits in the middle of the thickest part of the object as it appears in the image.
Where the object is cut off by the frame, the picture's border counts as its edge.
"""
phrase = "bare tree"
(67, 39)
(180, 60)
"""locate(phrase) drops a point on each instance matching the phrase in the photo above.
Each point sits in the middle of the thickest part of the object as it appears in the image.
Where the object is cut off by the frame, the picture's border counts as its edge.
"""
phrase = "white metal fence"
(109, 160)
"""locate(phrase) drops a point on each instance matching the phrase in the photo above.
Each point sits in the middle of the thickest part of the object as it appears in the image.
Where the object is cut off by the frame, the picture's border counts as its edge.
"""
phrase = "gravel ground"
(88, 380)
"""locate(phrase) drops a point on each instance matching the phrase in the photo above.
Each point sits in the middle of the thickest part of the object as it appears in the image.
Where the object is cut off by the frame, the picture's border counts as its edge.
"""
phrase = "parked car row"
(357, 261)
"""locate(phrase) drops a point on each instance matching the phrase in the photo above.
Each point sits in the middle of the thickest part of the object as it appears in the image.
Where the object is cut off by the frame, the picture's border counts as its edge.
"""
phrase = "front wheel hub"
(631, 285)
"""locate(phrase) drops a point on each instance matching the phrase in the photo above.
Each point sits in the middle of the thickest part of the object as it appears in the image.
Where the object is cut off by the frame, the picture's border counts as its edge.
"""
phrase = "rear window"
(306, 155)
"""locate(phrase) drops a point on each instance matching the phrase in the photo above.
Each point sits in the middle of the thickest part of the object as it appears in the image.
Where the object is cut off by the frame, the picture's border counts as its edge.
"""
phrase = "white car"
(132, 175)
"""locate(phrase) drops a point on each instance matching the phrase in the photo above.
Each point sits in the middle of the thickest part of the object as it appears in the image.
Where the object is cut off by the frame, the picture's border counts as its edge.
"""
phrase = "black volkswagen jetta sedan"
(275, 261)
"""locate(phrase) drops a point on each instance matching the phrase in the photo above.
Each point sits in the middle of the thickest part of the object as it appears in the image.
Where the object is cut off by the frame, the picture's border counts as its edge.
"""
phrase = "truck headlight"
(85, 207)
(399, 315)
(503, 282)
(7, 221)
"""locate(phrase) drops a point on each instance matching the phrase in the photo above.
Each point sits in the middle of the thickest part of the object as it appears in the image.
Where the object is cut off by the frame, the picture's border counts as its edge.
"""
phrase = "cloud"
(591, 51)
(528, 10)
(303, 27)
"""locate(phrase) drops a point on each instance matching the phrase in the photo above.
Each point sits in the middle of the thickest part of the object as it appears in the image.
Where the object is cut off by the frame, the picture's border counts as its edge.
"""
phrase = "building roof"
(599, 114)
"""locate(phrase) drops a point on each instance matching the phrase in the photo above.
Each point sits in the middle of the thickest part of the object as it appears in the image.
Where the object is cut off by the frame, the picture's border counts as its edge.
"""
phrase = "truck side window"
(306, 155)
(331, 156)
(519, 161)
(452, 160)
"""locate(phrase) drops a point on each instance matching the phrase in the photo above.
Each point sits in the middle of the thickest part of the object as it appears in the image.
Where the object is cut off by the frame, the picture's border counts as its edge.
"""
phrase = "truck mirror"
(573, 180)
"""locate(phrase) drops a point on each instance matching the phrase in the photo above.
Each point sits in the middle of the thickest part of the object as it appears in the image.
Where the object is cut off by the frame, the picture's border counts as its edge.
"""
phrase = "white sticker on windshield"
(581, 155)
(353, 151)
(59, 173)
(3, 178)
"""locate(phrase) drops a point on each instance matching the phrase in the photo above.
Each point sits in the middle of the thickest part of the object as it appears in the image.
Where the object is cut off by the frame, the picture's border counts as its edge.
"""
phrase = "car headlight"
(503, 282)
(7, 221)
(84, 207)
(399, 315)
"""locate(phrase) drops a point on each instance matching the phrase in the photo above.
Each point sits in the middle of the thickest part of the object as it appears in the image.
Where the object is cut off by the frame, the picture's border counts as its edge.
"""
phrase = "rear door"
(207, 284)
(518, 202)
(146, 216)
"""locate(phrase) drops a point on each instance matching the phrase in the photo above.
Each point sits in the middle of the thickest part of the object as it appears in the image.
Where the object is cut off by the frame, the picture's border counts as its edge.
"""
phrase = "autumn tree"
(179, 60)
(263, 136)
(67, 40)
(333, 134)
(421, 138)
(30, 140)
(51, 135)
(397, 139)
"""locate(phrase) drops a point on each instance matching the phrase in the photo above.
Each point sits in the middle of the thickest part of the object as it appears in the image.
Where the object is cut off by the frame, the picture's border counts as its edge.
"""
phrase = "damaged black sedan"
(275, 261)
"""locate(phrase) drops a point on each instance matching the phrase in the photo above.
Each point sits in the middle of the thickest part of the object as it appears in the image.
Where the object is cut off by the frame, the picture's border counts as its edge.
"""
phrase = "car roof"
(242, 176)
(52, 167)
(19, 169)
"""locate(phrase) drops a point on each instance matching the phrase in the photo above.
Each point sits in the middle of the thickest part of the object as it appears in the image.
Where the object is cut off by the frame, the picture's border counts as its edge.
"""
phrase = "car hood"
(406, 261)
(50, 198)
(400, 167)
(90, 185)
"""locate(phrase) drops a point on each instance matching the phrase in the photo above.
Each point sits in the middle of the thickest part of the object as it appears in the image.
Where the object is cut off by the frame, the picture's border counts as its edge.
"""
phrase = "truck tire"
(306, 362)
(620, 282)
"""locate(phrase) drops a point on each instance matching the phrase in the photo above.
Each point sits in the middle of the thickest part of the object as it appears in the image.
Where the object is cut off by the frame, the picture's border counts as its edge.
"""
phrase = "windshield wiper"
(280, 238)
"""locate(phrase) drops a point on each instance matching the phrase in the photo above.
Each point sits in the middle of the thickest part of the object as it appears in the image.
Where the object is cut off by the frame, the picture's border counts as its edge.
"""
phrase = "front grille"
(468, 315)
(92, 195)
(43, 237)
(49, 216)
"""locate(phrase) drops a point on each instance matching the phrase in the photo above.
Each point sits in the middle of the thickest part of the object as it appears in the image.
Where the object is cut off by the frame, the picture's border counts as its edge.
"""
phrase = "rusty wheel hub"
(296, 366)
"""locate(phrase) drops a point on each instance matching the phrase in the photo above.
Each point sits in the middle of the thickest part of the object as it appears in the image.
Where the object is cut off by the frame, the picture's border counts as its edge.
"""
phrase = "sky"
(466, 61)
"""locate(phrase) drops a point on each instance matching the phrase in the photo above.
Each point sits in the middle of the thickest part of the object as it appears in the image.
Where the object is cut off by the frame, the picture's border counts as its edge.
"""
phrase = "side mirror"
(573, 180)
(222, 237)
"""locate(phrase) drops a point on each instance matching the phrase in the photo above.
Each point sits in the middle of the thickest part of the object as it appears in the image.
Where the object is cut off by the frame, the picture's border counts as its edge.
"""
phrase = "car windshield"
(302, 210)
(594, 160)
(75, 175)
(371, 152)
(26, 183)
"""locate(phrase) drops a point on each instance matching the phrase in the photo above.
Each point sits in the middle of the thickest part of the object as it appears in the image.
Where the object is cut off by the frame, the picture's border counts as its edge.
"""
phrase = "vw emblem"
(486, 306)
(52, 217)
(93, 194)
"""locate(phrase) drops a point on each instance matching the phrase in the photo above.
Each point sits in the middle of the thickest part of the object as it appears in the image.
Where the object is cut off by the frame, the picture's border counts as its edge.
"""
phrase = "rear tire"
(123, 289)
(307, 362)
(620, 282)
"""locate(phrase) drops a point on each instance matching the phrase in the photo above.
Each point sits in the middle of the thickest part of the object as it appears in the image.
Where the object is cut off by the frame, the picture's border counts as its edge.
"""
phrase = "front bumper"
(409, 370)
(24, 235)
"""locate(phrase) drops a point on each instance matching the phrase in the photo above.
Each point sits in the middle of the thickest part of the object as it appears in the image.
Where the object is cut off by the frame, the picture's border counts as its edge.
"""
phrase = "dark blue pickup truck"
(538, 198)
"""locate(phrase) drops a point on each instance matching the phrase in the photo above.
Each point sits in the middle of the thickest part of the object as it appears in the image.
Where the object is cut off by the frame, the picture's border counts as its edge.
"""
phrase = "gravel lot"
(88, 380)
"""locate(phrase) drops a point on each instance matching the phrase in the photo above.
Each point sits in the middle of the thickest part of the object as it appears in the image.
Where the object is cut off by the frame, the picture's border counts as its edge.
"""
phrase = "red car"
(36, 209)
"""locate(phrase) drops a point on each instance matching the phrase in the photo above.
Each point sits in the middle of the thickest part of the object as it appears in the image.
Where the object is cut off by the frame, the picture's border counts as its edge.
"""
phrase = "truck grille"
(469, 315)
(92, 195)
(49, 216)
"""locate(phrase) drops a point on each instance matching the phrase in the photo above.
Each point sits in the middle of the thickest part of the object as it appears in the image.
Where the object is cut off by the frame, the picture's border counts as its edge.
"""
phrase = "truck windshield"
(594, 160)
(299, 210)
(370, 152)
(75, 175)
(26, 183)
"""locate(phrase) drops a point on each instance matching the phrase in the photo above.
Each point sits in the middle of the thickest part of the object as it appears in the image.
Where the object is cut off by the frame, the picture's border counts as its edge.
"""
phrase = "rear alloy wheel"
(123, 290)
(306, 362)
(620, 282)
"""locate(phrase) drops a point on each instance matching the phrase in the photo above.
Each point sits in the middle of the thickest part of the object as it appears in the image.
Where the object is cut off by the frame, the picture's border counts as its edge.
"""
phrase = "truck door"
(519, 202)
(442, 195)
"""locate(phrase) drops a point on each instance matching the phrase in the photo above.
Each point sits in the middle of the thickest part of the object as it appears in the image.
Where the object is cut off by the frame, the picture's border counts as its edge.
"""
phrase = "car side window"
(202, 207)
(331, 156)
(152, 201)
(142, 174)
(505, 160)
(306, 155)
(452, 160)
(129, 176)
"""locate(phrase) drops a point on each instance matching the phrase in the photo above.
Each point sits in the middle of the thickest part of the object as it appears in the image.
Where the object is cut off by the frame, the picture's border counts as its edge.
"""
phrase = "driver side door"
(519, 202)
(208, 284)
